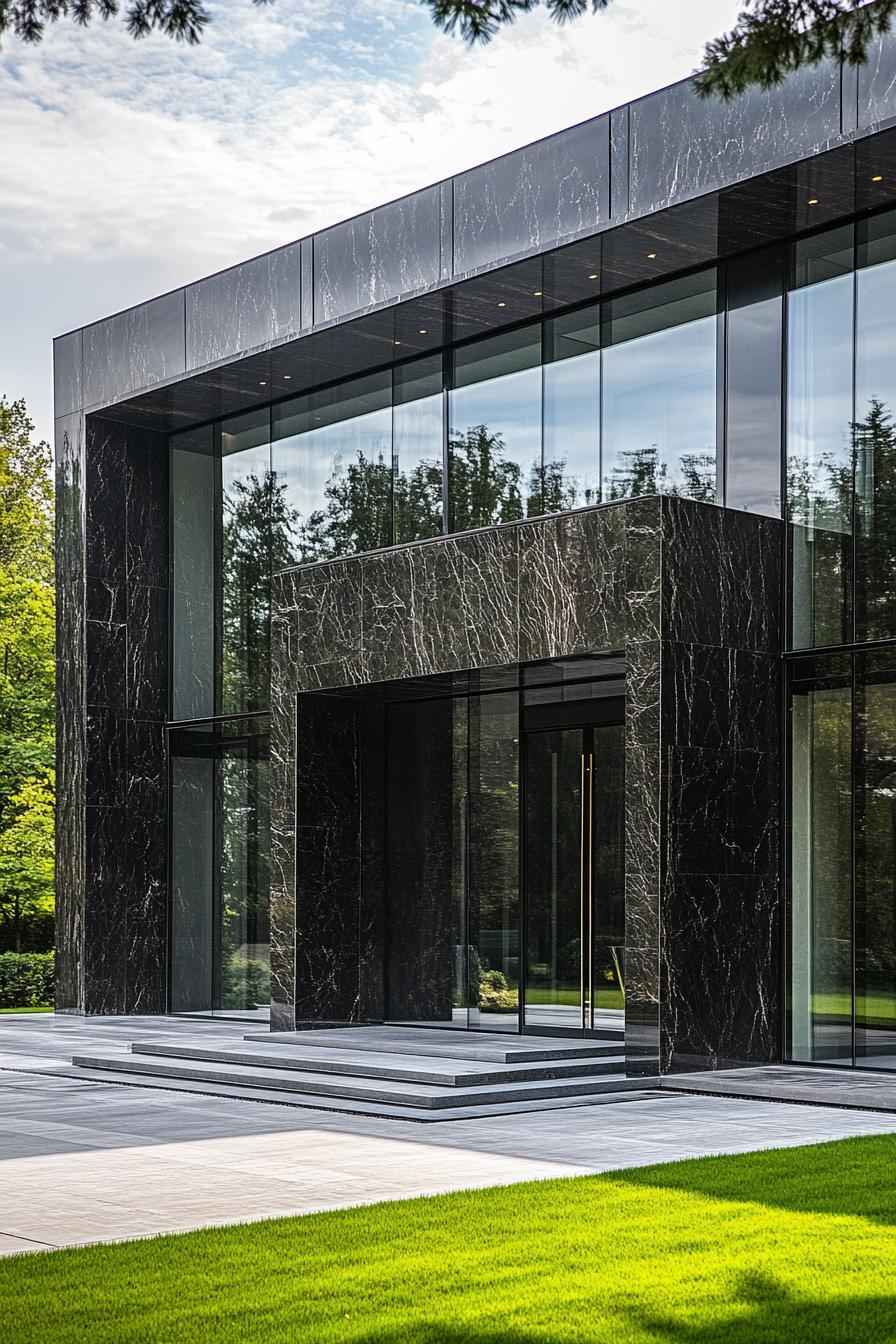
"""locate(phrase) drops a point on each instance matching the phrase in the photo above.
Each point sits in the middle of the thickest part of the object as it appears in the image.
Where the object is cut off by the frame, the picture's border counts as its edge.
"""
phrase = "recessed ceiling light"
(423, 331)
(287, 376)
(879, 178)
(593, 277)
(396, 342)
(502, 304)
(262, 383)
(538, 293)
(651, 256)
(814, 201)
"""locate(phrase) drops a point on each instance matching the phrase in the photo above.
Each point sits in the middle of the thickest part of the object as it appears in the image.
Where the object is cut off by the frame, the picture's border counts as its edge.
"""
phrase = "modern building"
(482, 613)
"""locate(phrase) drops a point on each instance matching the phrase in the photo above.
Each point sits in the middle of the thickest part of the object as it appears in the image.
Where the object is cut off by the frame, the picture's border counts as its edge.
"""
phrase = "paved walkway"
(83, 1162)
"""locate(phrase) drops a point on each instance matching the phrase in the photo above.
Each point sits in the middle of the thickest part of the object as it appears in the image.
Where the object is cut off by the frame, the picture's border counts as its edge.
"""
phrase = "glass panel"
(426, 825)
(418, 430)
(819, 455)
(193, 935)
(554, 760)
(753, 368)
(876, 860)
(244, 819)
(572, 411)
(659, 391)
(193, 476)
(608, 926)
(875, 431)
(821, 859)
(332, 454)
(248, 493)
(493, 860)
(494, 432)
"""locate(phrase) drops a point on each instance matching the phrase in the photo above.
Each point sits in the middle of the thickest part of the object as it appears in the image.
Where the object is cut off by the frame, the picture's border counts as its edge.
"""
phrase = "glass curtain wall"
(841, 436)
(228, 530)
(658, 396)
(220, 934)
(842, 925)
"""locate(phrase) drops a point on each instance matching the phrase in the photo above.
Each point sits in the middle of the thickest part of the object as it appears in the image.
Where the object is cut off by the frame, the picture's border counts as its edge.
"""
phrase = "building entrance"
(573, 888)
(503, 847)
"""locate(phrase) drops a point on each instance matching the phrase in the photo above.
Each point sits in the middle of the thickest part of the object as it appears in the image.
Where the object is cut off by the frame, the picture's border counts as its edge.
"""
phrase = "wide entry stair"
(420, 1074)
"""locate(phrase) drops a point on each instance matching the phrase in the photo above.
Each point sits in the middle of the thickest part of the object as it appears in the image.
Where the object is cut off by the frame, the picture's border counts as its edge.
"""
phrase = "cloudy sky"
(132, 167)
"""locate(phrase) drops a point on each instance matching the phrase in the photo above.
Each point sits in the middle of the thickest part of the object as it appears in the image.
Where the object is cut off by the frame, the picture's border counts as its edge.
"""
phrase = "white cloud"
(133, 167)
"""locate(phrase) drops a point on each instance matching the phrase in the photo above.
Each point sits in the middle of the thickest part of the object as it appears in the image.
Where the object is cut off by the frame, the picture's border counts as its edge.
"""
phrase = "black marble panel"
(642, 1011)
(572, 595)
(67, 381)
(106, 495)
(283, 852)
(720, 971)
(306, 247)
(716, 697)
(877, 82)
(446, 230)
(71, 741)
(722, 811)
(245, 307)
(106, 759)
(146, 846)
(442, 606)
(147, 651)
(328, 859)
(105, 912)
(681, 145)
(390, 251)
(643, 794)
(722, 578)
(535, 197)
(111, 848)
(134, 349)
(619, 184)
(146, 501)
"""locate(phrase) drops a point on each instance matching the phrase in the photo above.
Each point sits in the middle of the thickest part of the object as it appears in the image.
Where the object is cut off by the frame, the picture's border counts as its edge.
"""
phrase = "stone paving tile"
(82, 1162)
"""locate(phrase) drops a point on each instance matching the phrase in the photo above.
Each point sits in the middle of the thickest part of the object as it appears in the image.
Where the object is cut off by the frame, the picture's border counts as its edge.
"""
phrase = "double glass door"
(574, 871)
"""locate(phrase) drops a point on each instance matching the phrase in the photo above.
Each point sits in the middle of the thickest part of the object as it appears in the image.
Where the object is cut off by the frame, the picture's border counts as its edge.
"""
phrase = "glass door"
(573, 866)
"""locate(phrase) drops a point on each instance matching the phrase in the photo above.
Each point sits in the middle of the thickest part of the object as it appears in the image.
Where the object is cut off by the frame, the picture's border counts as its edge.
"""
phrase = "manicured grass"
(795, 1246)
(48, 1008)
(603, 998)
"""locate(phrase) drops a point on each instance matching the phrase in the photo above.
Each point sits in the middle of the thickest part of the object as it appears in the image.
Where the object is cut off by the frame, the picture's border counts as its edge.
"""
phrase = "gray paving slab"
(853, 1088)
(82, 1163)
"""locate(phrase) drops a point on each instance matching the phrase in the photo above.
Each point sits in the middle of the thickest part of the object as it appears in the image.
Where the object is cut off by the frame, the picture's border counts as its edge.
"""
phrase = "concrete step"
(434, 1070)
(446, 1043)
(624, 1090)
(418, 1096)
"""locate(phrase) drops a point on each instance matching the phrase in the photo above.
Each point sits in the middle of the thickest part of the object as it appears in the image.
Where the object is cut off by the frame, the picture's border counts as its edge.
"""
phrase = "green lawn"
(47, 1009)
(796, 1246)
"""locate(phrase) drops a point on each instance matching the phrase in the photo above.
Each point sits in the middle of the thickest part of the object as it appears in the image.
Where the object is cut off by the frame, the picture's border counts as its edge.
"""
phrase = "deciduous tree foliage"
(770, 39)
(27, 619)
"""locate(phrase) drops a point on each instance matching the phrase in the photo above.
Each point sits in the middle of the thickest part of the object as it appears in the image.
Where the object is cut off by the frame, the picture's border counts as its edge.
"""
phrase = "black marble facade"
(113, 684)
(690, 592)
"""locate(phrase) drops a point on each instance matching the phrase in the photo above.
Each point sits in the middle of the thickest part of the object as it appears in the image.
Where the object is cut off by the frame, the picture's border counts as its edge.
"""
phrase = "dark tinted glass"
(819, 431)
(755, 334)
(820, 1005)
(194, 492)
(875, 431)
(332, 455)
(494, 420)
(572, 411)
(875, 831)
(417, 448)
(658, 391)
(253, 514)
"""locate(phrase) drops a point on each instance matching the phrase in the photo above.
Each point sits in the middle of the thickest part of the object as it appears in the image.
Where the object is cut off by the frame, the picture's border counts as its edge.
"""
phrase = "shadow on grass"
(850, 1177)
(761, 1312)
